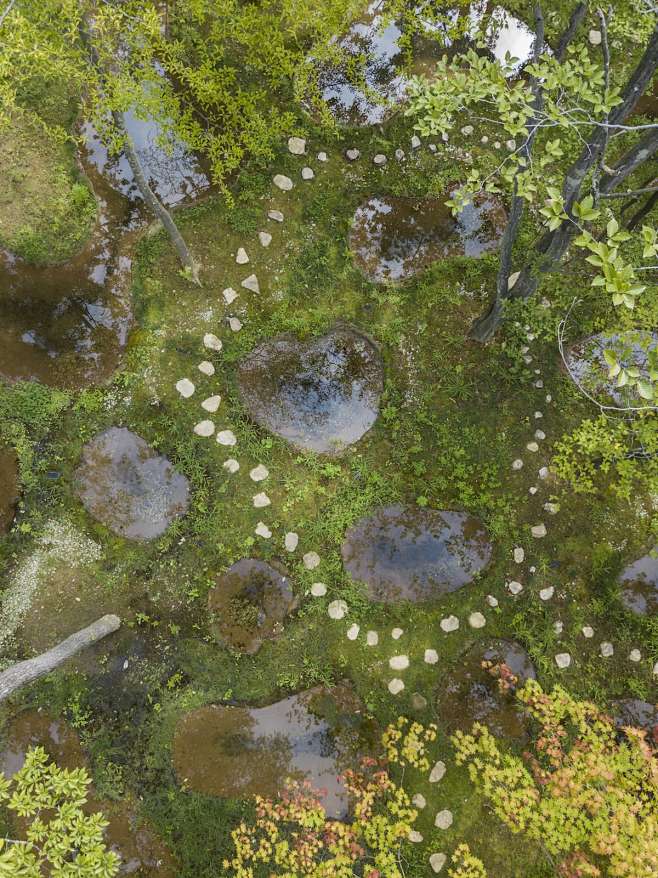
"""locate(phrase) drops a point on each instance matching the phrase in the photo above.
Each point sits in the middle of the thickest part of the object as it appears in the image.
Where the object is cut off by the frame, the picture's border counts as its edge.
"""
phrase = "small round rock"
(258, 473)
(437, 862)
(226, 437)
(372, 638)
(477, 620)
(185, 387)
(438, 771)
(308, 173)
(337, 609)
(635, 655)
(204, 428)
(231, 465)
(443, 819)
(379, 159)
(397, 633)
(211, 404)
(395, 686)
(547, 593)
(398, 662)
(419, 801)
(449, 623)
(353, 632)
(262, 530)
(291, 541)
(297, 145)
(607, 649)
(517, 464)
(261, 500)
(311, 560)
(431, 656)
(519, 555)
(515, 587)
(563, 660)
(282, 182)
(588, 631)
(206, 368)
(318, 589)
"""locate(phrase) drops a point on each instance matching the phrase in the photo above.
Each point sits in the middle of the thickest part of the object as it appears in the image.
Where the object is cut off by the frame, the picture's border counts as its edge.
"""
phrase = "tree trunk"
(154, 204)
(31, 669)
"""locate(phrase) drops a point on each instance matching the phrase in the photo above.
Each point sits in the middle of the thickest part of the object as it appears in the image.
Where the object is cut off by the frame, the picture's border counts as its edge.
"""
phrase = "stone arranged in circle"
(413, 553)
(123, 483)
(321, 395)
(249, 603)
(639, 585)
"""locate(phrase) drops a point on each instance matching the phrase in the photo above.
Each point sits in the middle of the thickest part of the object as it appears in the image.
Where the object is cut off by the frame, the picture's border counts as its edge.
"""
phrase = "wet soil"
(8, 487)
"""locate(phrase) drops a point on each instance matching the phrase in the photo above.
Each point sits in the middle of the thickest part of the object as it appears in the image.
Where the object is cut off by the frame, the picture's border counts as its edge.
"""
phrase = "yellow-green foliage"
(588, 796)
(60, 841)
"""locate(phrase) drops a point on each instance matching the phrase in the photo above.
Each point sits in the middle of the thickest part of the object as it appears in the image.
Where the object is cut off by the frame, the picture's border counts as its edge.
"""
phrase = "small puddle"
(586, 362)
(35, 729)
(639, 585)
(321, 395)
(249, 604)
(471, 694)
(414, 554)
(394, 238)
(8, 487)
(127, 486)
(239, 752)
(638, 714)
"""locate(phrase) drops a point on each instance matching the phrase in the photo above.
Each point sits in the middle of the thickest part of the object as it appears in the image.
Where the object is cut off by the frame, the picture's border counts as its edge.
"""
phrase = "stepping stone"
(607, 649)
(558, 627)
(517, 464)
(275, 215)
(379, 159)
(251, 283)
(563, 660)
(318, 589)
(212, 342)
(547, 593)
(533, 490)
(206, 368)
(443, 819)
(211, 404)
(588, 631)
(538, 415)
(226, 437)
(395, 686)
(241, 256)
(353, 632)
(549, 398)
(337, 609)
(492, 601)
(437, 862)
(235, 324)
(229, 295)
(540, 435)
(539, 384)
(515, 587)
(262, 530)
(635, 655)
(204, 428)
(261, 501)
(259, 473)
(543, 472)
(399, 662)
(323, 157)
(291, 541)
(519, 555)
(372, 638)
(655, 670)
(538, 531)
(595, 37)
(431, 656)
(414, 837)
(449, 623)
(297, 145)
(265, 238)
(477, 620)
(438, 771)
(397, 633)
(185, 387)
(532, 446)
(399, 154)
(415, 142)
(311, 560)
(419, 801)
(231, 465)
(551, 508)
(284, 183)
(308, 173)
(352, 154)
(467, 130)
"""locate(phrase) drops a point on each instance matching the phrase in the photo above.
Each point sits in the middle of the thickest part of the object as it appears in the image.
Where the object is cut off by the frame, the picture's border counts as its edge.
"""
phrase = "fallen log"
(31, 669)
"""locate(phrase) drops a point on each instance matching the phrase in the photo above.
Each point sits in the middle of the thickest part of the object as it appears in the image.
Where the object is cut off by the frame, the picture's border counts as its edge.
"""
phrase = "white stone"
(212, 342)
(517, 464)
(353, 632)
(437, 772)
(431, 656)
(398, 662)
(445, 137)
(415, 142)
(519, 555)
(538, 531)
(484, 139)
(372, 638)
(265, 238)
(539, 384)
(284, 183)
(185, 387)
(291, 541)
(511, 145)
(311, 560)
(231, 465)
(414, 836)
(533, 489)
(467, 130)
(297, 145)
(337, 609)
(635, 655)
(515, 587)
(558, 627)
(379, 159)
(352, 154)
(211, 404)
(259, 473)
(229, 295)
(543, 472)
(251, 283)
(655, 670)
(323, 157)
(492, 601)
(437, 862)
(206, 368)
(275, 215)
(443, 819)
(261, 500)
(395, 686)
(540, 435)
(262, 530)
(588, 631)
(532, 446)
(241, 256)
(552, 508)
(477, 620)
(497, 144)
(226, 437)
(399, 154)
(549, 398)
(595, 37)
(397, 633)
(235, 324)
(204, 428)
(547, 593)
(563, 660)
(449, 623)
(419, 801)
(538, 415)
(308, 173)
(318, 589)
(607, 649)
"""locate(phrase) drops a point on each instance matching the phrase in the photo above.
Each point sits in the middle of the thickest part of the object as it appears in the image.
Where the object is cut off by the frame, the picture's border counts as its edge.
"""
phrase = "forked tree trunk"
(25, 672)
